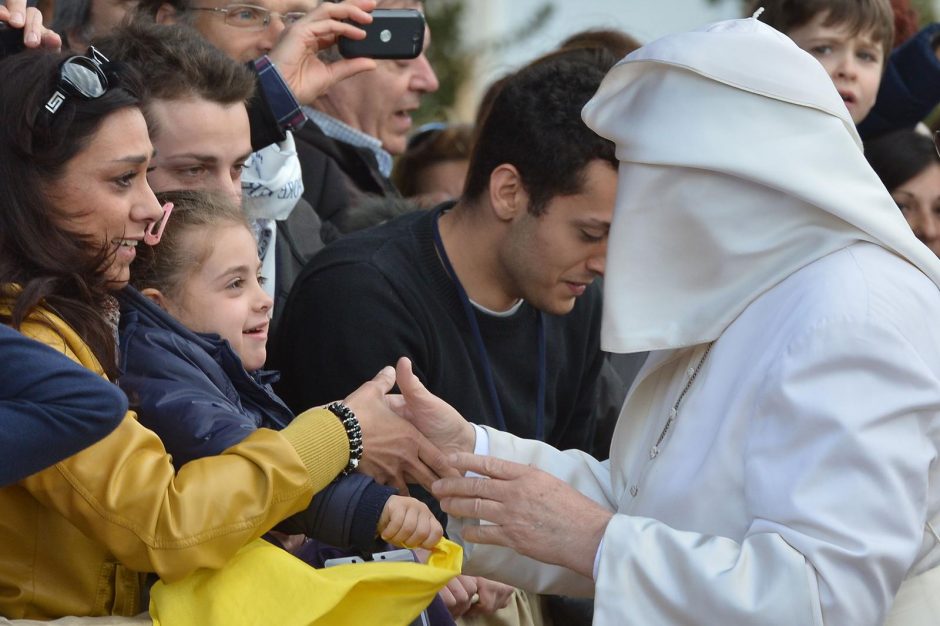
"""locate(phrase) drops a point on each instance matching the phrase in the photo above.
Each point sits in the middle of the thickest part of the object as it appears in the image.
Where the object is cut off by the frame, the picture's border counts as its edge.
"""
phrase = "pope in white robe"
(776, 460)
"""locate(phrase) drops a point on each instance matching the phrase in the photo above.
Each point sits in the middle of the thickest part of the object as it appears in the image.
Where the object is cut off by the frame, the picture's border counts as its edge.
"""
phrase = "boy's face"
(854, 62)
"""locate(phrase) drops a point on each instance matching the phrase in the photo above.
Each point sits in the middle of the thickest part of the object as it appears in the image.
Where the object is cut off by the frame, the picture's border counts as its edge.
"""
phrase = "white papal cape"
(799, 480)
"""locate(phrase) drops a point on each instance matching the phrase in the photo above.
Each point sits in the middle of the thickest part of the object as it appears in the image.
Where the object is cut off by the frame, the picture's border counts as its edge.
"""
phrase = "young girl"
(192, 343)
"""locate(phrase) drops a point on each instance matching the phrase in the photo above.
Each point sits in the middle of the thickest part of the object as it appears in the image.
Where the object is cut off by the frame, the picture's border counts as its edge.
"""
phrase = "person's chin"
(118, 279)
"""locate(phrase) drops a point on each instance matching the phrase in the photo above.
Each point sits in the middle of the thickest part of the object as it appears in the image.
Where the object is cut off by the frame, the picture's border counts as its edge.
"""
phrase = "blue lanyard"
(481, 347)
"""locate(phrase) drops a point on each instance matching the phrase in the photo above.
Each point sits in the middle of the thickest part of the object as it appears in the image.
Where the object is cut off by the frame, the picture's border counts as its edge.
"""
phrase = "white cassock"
(798, 482)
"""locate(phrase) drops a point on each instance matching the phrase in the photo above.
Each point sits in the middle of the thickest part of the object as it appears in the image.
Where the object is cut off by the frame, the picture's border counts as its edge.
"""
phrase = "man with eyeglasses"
(359, 125)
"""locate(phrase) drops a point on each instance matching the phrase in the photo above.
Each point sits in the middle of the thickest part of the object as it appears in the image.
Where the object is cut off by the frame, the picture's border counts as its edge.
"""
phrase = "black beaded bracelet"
(353, 431)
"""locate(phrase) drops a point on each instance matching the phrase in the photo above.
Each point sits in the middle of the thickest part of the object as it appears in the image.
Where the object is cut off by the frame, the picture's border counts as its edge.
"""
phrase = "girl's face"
(223, 294)
(103, 192)
(919, 200)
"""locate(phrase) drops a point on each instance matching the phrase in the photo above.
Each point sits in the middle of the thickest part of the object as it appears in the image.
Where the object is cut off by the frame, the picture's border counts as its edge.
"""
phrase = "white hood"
(739, 164)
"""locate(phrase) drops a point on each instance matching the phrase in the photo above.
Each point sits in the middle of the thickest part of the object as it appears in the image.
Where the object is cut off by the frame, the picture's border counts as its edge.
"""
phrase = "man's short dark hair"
(177, 63)
(534, 124)
(858, 16)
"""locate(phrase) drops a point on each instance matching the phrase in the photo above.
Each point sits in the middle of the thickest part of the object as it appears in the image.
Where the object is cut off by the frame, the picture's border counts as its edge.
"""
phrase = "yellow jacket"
(74, 538)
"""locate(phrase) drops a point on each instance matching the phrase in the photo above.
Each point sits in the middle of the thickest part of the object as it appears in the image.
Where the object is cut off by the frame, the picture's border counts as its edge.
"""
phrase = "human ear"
(508, 196)
(155, 296)
(166, 14)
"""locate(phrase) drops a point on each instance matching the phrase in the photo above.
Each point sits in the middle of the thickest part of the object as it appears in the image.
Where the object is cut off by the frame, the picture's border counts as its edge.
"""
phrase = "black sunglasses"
(80, 77)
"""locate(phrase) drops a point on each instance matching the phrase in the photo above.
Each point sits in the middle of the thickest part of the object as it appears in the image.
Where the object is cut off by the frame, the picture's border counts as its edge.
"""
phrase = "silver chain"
(674, 414)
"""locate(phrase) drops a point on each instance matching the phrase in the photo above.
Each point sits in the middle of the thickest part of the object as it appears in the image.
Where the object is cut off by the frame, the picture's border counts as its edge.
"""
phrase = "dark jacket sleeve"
(50, 407)
(910, 87)
(345, 514)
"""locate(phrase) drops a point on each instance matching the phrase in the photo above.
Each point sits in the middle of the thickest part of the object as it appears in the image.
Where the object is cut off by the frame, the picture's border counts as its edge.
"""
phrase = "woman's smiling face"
(103, 193)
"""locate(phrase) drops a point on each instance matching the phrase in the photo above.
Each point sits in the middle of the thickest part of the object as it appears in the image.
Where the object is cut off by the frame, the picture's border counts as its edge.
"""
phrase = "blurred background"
(477, 41)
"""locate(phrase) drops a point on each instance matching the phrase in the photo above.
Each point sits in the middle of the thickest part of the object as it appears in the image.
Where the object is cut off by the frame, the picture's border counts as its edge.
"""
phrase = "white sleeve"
(835, 483)
(579, 469)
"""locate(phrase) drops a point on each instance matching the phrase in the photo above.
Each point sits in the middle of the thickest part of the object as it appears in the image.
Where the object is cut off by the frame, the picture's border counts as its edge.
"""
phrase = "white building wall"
(646, 20)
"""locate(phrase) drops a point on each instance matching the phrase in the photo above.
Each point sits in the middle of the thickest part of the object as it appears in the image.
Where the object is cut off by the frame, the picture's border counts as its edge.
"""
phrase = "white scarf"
(271, 186)
(739, 164)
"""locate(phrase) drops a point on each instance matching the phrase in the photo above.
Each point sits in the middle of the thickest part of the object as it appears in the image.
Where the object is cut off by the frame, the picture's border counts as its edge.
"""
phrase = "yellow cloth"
(263, 584)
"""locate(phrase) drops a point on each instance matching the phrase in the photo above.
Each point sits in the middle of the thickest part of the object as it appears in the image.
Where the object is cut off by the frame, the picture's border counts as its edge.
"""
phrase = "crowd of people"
(242, 297)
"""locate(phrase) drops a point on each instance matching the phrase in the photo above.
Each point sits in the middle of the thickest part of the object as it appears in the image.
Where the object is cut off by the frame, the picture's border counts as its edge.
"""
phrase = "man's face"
(200, 145)
(550, 259)
(853, 62)
(245, 44)
(380, 103)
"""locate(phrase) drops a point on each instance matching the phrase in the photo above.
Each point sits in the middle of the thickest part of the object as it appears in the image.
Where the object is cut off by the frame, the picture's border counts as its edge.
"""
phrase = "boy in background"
(850, 38)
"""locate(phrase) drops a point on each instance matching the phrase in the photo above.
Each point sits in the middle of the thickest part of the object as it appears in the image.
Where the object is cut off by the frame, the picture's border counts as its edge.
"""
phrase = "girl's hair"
(52, 267)
(899, 156)
(166, 266)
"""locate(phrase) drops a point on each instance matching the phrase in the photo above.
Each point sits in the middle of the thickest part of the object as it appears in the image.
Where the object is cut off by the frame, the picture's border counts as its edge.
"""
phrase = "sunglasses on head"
(79, 77)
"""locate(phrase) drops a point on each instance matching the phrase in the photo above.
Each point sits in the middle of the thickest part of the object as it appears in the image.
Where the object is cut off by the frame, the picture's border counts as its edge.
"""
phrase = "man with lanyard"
(491, 296)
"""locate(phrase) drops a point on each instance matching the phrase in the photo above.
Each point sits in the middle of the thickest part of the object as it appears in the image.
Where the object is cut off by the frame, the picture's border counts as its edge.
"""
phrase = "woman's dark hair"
(50, 266)
(899, 156)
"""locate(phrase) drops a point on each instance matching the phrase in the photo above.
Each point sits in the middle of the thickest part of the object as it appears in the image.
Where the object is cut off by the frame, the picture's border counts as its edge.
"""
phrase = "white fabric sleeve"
(597, 559)
(482, 445)
(579, 469)
(836, 480)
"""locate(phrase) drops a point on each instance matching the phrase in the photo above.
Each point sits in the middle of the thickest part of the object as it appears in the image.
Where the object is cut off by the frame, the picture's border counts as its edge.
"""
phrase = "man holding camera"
(359, 125)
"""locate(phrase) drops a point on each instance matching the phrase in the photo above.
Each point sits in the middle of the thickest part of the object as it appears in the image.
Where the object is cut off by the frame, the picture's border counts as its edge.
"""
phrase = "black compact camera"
(393, 34)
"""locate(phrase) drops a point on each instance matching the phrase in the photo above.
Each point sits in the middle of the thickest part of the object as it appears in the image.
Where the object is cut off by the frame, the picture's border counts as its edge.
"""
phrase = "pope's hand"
(530, 511)
(394, 452)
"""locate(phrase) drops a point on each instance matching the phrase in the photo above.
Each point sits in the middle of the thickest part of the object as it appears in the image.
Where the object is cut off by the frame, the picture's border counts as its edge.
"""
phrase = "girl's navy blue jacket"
(191, 389)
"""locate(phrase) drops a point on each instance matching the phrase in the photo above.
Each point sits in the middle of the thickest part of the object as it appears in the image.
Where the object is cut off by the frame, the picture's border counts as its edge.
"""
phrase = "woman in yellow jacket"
(76, 538)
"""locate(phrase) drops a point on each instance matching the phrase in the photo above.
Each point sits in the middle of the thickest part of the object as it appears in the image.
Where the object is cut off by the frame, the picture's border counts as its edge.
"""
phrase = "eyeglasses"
(80, 77)
(936, 141)
(250, 16)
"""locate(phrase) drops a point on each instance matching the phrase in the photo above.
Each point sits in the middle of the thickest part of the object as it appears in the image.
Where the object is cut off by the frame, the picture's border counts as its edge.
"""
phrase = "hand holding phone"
(393, 34)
